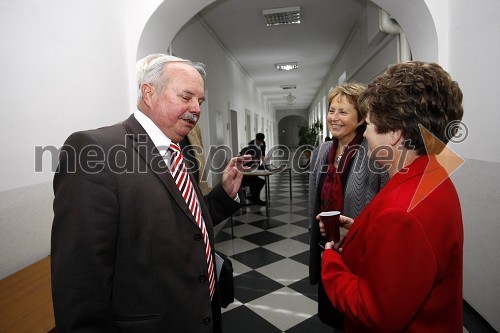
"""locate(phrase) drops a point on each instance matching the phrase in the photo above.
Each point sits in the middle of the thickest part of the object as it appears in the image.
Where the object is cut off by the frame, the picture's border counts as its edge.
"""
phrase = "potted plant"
(310, 135)
(309, 138)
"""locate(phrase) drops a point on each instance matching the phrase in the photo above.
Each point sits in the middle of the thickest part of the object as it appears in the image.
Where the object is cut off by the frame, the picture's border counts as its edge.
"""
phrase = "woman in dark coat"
(341, 178)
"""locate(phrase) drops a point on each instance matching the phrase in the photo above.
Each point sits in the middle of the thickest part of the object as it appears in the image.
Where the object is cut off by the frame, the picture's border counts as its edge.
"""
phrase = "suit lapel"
(146, 149)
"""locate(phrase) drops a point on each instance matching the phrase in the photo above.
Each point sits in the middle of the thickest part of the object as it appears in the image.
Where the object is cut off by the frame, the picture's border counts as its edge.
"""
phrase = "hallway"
(270, 260)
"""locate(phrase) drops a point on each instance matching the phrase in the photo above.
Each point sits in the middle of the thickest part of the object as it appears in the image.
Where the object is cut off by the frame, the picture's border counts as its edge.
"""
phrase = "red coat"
(400, 270)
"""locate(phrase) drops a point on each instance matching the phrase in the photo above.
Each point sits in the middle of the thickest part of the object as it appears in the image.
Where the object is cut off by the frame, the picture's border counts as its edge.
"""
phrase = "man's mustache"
(190, 117)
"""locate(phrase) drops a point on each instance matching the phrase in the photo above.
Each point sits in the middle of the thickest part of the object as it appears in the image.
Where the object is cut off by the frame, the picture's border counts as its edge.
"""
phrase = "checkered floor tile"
(270, 258)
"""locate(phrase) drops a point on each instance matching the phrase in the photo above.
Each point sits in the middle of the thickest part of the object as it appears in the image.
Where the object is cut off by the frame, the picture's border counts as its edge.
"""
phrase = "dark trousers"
(255, 183)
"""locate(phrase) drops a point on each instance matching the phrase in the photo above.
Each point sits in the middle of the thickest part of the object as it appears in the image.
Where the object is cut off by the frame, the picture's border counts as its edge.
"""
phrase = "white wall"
(474, 49)
(472, 52)
(63, 69)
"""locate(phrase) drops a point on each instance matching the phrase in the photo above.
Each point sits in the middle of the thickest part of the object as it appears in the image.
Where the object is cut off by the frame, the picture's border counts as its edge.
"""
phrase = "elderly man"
(132, 238)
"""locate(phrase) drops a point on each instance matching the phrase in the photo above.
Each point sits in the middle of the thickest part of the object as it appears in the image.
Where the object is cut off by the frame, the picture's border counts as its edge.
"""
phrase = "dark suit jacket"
(127, 255)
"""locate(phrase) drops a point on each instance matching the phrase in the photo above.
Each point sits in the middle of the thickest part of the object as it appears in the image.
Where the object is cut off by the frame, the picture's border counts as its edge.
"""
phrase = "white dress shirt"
(160, 140)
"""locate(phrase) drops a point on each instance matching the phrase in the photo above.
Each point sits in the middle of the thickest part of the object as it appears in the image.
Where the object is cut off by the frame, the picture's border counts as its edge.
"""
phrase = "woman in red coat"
(399, 269)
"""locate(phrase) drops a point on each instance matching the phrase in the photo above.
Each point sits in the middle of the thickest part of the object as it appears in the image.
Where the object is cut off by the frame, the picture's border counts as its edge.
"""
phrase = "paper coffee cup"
(332, 226)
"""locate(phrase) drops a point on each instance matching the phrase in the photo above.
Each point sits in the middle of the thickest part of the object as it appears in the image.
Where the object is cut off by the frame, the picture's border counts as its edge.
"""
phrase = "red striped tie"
(181, 178)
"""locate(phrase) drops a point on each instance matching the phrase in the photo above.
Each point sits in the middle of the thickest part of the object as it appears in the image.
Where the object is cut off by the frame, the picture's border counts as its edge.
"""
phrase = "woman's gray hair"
(150, 69)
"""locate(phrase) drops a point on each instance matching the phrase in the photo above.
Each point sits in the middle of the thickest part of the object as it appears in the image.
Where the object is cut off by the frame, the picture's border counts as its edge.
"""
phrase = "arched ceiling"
(314, 43)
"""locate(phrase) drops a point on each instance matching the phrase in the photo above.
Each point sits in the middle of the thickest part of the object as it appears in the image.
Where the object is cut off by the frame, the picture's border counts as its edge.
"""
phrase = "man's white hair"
(150, 69)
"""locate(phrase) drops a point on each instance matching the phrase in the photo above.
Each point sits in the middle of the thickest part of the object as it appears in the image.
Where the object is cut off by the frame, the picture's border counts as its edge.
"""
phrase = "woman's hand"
(321, 226)
(346, 222)
(334, 246)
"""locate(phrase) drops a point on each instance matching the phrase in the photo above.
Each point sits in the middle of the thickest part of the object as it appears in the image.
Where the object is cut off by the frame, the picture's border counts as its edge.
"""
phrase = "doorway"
(234, 132)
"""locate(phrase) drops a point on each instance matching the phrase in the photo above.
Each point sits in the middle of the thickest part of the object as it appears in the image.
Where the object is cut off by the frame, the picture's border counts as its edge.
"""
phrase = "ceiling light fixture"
(288, 86)
(287, 66)
(290, 98)
(281, 16)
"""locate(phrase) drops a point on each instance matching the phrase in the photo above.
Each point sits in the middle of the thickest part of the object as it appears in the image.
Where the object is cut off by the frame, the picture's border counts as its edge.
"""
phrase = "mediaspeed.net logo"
(447, 159)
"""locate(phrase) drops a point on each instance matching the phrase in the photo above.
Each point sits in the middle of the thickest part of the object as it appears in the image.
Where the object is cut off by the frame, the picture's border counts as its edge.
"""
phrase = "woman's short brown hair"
(411, 94)
(351, 91)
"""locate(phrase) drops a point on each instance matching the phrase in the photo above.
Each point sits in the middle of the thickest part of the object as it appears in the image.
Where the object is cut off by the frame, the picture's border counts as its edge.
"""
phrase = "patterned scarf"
(332, 193)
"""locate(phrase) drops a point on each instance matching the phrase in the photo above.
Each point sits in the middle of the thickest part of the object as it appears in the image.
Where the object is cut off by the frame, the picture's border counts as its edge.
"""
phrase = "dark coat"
(126, 253)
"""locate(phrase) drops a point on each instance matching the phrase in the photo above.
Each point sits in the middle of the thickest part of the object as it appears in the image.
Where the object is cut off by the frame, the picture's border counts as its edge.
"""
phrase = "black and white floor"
(270, 258)
(270, 261)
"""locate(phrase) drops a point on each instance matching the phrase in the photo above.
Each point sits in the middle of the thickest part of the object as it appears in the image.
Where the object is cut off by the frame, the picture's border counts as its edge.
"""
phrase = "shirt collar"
(160, 140)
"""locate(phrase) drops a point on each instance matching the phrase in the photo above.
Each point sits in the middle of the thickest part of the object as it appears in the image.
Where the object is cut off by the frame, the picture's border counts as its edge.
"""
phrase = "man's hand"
(231, 179)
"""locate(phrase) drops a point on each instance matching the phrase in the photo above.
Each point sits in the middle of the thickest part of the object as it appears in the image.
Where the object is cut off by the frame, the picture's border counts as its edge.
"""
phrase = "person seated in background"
(259, 142)
(255, 183)
(306, 159)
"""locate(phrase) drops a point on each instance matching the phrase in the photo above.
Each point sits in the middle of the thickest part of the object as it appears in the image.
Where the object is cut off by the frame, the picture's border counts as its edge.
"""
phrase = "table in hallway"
(266, 174)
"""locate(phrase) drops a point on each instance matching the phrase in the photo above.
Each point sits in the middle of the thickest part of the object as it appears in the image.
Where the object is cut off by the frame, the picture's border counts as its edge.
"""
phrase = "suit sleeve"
(83, 239)
(395, 275)
(220, 205)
